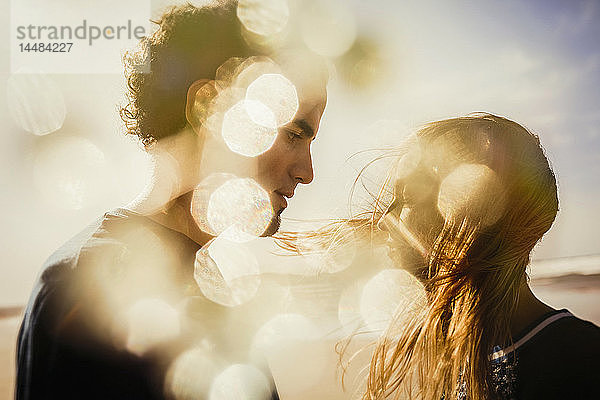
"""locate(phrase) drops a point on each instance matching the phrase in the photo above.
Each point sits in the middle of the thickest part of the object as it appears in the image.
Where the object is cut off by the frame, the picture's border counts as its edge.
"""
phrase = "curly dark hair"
(189, 44)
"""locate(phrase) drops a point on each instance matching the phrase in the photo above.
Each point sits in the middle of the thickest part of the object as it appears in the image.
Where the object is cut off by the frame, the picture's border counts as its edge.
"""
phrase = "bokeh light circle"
(286, 340)
(226, 72)
(240, 382)
(328, 28)
(242, 205)
(249, 128)
(252, 68)
(472, 190)
(35, 103)
(201, 198)
(190, 376)
(151, 322)
(203, 100)
(283, 329)
(330, 257)
(226, 272)
(277, 93)
(389, 294)
(263, 17)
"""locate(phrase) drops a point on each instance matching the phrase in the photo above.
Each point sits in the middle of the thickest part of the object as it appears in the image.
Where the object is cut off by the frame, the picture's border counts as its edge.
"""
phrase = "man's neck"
(177, 216)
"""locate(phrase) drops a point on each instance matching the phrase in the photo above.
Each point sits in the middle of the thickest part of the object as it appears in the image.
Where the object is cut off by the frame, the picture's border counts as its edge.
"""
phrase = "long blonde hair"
(474, 270)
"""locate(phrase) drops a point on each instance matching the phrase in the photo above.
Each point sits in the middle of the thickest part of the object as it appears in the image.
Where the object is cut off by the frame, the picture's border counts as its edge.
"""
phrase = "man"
(108, 317)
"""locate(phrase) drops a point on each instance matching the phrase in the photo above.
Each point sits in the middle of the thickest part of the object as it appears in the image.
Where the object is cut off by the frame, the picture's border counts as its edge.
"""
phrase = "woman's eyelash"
(397, 204)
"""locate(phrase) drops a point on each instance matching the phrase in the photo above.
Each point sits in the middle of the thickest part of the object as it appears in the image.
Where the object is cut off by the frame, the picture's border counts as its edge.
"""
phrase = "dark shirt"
(556, 357)
(70, 344)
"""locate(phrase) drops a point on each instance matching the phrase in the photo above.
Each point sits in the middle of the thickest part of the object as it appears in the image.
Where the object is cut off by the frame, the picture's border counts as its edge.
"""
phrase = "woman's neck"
(529, 309)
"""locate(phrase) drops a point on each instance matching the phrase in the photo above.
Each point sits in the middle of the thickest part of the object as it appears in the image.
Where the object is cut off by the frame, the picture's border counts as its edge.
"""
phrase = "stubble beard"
(273, 226)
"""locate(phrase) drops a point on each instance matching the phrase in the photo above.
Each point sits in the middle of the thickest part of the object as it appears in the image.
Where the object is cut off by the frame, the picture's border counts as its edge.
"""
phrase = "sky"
(536, 62)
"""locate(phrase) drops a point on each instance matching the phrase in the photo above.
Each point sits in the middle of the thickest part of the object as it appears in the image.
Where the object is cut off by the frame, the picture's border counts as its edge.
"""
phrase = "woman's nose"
(381, 224)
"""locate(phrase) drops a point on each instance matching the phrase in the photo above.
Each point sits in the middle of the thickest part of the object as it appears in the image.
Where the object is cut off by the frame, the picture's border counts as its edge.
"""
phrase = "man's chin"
(273, 226)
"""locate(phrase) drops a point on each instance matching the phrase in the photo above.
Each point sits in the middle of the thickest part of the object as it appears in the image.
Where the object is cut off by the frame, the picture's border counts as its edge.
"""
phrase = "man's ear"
(199, 96)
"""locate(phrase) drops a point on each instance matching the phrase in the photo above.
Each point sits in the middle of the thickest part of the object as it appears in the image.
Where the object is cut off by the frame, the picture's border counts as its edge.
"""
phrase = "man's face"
(288, 162)
(278, 170)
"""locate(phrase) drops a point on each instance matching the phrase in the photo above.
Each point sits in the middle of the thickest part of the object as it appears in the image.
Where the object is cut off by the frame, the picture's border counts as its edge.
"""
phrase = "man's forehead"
(309, 114)
(312, 97)
(292, 83)
(308, 73)
(312, 94)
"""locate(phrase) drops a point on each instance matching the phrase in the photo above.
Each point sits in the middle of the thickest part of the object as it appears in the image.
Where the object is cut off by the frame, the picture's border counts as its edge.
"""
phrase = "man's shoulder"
(120, 247)
(66, 258)
(78, 274)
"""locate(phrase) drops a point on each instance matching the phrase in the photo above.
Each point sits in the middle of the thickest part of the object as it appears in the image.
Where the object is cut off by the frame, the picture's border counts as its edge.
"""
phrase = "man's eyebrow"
(306, 130)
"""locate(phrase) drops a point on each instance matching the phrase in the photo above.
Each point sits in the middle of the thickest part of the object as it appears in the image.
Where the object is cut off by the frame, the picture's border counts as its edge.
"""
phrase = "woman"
(471, 198)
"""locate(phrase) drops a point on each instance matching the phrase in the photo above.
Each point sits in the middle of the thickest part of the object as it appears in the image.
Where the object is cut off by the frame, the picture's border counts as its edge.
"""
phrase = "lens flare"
(226, 272)
(472, 190)
(277, 93)
(191, 374)
(395, 225)
(242, 205)
(249, 128)
(150, 322)
(389, 294)
(240, 382)
(328, 28)
(263, 17)
(35, 103)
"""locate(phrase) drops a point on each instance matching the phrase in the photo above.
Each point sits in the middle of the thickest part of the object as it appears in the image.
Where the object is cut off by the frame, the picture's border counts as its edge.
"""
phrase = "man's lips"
(283, 203)
(289, 193)
(282, 196)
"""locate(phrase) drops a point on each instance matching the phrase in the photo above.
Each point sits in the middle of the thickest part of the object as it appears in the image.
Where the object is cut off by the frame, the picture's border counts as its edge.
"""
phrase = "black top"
(68, 346)
(556, 357)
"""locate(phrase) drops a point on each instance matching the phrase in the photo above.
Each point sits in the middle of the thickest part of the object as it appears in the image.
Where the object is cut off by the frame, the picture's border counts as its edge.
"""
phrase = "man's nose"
(303, 172)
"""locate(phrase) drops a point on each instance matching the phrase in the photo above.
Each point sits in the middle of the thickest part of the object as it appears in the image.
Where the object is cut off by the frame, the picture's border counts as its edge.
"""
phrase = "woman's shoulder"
(559, 357)
(560, 332)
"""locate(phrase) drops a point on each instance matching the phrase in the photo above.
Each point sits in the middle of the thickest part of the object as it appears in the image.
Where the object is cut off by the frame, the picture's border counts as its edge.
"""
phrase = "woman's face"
(445, 181)
(413, 221)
